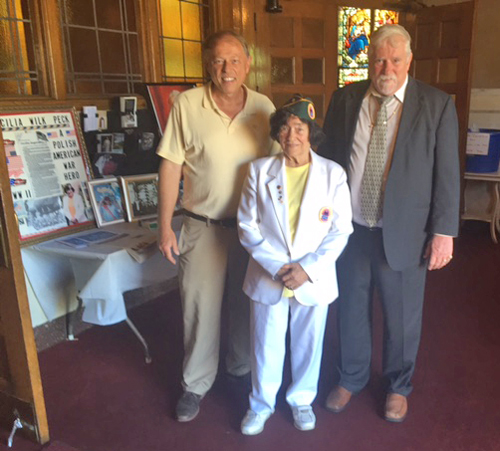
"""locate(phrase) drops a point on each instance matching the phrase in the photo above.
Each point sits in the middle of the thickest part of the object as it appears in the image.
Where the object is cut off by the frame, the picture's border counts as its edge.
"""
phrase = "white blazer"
(323, 229)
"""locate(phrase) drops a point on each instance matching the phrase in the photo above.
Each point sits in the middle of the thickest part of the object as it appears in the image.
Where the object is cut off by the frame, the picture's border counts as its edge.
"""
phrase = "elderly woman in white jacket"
(294, 220)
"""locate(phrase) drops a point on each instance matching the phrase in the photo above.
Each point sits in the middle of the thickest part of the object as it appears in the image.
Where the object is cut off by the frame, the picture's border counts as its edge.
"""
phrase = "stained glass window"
(183, 27)
(355, 28)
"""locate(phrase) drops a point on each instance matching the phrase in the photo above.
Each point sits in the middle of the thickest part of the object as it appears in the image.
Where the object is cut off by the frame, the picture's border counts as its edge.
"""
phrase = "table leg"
(141, 339)
(70, 316)
(495, 219)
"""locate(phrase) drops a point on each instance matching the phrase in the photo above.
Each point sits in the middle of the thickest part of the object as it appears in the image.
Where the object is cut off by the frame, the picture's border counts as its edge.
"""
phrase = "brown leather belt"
(229, 223)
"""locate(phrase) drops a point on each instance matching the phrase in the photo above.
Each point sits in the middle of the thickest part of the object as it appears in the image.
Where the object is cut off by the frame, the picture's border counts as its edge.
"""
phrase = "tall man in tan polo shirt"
(212, 133)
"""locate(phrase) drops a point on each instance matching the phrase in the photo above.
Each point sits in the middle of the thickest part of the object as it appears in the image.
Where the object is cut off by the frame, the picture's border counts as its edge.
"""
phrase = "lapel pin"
(324, 214)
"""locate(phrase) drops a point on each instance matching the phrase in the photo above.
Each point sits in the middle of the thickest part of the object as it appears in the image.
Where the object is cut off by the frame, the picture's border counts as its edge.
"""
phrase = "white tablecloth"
(101, 274)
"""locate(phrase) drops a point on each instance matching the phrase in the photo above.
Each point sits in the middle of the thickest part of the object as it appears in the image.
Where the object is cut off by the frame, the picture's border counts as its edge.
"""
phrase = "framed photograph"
(104, 142)
(48, 164)
(162, 97)
(141, 196)
(128, 109)
(107, 201)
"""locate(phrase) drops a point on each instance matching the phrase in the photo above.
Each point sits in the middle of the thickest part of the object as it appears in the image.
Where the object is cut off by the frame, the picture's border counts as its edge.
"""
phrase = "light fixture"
(273, 6)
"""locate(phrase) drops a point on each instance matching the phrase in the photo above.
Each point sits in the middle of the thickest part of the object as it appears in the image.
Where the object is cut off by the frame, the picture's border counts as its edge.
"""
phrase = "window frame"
(49, 49)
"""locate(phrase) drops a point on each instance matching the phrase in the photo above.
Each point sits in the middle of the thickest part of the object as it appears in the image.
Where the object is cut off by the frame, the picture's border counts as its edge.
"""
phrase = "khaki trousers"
(212, 263)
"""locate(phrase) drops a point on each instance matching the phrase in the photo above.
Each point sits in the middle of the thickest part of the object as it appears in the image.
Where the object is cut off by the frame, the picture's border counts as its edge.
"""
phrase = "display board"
(48, 169)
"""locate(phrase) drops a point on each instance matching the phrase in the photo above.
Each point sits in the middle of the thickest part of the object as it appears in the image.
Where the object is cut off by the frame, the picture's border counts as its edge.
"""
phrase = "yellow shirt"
(214, 149)
(296, 179)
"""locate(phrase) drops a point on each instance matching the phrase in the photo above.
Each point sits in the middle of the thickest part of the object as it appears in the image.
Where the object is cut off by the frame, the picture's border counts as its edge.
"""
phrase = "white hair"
(390, 33)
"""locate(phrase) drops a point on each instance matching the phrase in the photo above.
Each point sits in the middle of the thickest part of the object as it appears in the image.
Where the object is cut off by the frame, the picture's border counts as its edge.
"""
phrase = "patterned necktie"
(371, 185)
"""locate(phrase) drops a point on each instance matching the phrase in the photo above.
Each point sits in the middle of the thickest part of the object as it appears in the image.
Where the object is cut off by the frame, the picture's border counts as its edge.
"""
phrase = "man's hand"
(167, 244)
(293, 276)
(168, 191)
(440, 251)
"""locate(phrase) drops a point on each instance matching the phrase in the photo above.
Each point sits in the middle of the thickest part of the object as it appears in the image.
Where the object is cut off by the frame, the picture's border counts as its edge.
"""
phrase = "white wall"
(485, 108)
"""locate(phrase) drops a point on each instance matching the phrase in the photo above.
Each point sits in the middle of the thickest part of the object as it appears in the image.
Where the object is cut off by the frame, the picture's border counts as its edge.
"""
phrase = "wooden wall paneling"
(221, 15)
(50, 25)
(149, 35)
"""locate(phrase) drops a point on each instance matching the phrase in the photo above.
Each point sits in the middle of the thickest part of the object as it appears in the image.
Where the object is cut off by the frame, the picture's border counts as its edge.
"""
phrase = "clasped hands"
(292, 275)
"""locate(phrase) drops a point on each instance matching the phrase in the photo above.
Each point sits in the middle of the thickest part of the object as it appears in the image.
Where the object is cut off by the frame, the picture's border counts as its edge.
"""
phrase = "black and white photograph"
(105, 142)
(141, 196)
(146, 141)
(43, 215)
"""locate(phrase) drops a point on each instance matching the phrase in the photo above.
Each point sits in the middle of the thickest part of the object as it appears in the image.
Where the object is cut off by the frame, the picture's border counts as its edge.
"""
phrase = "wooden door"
(21, 391)
(442, 45)
(296, 51)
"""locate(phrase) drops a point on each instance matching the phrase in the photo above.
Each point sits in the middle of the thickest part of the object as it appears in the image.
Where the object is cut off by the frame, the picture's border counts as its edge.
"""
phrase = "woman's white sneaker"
(253, 423)
(304, 418)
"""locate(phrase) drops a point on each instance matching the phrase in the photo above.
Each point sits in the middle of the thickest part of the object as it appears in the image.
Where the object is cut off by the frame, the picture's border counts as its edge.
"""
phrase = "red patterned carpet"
(101, 396)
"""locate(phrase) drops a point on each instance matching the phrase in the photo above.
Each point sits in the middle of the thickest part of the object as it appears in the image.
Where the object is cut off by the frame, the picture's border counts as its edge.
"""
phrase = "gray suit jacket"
(422, 194)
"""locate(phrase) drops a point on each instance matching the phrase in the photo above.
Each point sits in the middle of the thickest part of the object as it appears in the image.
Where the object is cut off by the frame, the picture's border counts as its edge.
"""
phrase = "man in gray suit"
(403, 225)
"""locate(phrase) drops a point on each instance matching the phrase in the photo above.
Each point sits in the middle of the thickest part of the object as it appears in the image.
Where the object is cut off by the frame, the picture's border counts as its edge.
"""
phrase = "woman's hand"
(293, 276)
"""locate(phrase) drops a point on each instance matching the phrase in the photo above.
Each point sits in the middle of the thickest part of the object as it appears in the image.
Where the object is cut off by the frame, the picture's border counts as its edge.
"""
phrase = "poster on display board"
(48, 169)
(162, 96)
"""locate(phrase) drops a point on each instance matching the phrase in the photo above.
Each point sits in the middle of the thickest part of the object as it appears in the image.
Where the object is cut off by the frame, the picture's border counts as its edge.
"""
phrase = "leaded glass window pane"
(385, 17)
(355, 28)
(183, 28)
(347, 76)
(19, 71)
(282, 70)
(100, 46)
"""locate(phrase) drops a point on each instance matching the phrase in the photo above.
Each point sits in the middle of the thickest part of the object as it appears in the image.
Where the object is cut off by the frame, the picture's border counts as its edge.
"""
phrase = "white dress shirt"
(361, 143)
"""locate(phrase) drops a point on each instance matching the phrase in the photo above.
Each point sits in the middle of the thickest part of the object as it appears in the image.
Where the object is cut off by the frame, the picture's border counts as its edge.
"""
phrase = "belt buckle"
(209, 222)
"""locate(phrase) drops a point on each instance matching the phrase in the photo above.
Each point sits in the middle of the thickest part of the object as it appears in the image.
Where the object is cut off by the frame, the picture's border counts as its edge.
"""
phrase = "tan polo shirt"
(214, 149)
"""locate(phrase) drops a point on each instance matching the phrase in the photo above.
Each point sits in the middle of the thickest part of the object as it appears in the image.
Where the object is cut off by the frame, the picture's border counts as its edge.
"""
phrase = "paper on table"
(100, 236)
(140, 246)
(478, 143)
(77, 243)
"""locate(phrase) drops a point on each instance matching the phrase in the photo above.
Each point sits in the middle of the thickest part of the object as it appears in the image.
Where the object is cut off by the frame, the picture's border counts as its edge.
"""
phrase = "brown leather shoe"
(396, 408)
(338, 399)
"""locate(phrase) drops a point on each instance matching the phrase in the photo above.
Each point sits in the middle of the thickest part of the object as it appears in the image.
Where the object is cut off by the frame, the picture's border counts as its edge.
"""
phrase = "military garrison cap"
(302, 107)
